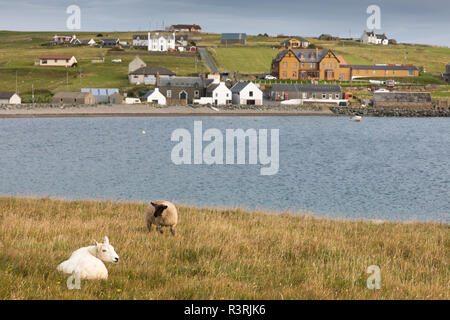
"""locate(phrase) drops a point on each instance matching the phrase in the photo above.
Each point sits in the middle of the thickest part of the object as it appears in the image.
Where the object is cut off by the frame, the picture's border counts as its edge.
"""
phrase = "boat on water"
(356, 119)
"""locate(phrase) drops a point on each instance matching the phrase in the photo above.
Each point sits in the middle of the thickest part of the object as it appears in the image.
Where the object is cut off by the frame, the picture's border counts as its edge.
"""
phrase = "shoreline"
(287, 212)
(146, 111)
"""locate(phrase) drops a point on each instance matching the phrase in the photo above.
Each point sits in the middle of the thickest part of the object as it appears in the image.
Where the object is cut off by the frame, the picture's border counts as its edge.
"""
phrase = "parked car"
(116, 60)
(270, 77)
(381, 90)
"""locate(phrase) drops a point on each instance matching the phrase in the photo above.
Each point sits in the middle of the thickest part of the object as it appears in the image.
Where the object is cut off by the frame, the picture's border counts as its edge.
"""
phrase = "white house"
(10, 98)
(155, 96)
(58, 60)
(371, 37)
(246, 93)
(159, 42)
(220, 93)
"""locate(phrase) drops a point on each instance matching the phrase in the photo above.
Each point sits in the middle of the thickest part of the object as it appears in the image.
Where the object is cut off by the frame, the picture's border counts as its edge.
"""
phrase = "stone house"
(280, 92)
(73, 98)
(10, 98)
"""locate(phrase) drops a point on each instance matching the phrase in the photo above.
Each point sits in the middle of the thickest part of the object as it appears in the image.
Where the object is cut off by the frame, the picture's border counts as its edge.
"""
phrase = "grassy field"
(218, 254)
(19, 51)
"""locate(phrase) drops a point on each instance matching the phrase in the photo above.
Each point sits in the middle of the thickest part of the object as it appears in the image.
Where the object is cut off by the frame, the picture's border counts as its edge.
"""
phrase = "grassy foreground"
(218, 254)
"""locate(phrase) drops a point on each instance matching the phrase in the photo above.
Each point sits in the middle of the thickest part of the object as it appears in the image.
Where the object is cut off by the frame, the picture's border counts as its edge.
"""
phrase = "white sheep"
(87, 262)
(162, 213)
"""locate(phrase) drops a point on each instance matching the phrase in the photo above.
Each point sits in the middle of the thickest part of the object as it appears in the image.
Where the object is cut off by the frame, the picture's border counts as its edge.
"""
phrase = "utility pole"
(32, 93)
(67, 79)
(17, 89)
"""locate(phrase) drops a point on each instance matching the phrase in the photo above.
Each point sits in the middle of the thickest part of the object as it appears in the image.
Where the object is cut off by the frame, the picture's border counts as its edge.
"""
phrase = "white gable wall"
(221, 95)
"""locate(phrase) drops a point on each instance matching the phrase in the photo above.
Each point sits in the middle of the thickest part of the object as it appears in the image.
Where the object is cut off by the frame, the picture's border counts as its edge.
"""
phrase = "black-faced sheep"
(162, 213)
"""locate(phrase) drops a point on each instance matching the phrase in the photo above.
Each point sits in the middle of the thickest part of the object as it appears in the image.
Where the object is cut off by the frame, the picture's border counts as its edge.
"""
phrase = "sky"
(411, 21)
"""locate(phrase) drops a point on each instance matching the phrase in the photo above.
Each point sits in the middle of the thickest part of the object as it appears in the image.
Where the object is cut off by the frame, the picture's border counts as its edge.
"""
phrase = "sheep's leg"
(172, 229)
(149, 226)
(159, 228)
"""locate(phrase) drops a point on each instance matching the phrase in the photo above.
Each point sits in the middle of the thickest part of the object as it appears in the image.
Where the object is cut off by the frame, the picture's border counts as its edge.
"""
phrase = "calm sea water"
(383, 168)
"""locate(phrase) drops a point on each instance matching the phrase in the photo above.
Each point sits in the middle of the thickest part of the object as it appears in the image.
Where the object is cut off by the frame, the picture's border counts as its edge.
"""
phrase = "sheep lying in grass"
(88, 261)
(162, 213)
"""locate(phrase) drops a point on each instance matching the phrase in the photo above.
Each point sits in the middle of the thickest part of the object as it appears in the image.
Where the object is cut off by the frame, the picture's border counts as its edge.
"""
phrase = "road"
(207, 60)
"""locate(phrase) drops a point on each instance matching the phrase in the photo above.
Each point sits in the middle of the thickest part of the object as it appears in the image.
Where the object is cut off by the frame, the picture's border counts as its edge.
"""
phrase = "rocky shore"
(390, 112)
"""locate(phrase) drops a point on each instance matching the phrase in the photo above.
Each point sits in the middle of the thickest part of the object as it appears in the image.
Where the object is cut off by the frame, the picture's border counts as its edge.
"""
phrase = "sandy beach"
(149, 111)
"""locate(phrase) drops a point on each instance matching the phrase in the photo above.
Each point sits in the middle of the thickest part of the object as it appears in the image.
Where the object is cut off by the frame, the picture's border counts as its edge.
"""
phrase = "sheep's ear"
(154, 204)
(106, 241)
(96, 243)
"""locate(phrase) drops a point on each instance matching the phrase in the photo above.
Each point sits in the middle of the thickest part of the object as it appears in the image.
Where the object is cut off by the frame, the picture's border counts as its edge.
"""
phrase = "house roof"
(234, 36)
(296, 38)
(379, 67)
(153, 71)
(71, 95)
(181, 82)
(101, 91)
(306, 87)
(186, 26)
(239, 86)
(140, 36)
(6, 95)
(56, 57)
(304, 55)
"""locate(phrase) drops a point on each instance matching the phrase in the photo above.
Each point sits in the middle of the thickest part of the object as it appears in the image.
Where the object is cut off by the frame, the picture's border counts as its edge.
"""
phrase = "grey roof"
(379, 67)
(148, 94)
(181, 82)
(100, 91)
(140, 36)
(212, 87)
(234, 36)
(153, 71)
(304, 55)
(6, 95)
(306, 87)
(239, 86)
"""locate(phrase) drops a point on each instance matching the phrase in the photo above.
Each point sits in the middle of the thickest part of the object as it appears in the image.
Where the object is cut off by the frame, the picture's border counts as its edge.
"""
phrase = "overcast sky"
(416, 21)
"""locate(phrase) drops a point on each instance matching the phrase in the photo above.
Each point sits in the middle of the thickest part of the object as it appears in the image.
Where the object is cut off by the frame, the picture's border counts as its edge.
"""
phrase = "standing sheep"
(162, 213)
(87, 262)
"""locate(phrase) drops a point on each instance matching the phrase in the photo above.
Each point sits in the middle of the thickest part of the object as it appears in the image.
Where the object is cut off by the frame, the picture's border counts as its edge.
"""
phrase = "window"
(250, 93)
(44, 61)
(304, 95)
(314, 95)
(387, 71)
(197, 93)
(411, 73)
(337, 96)
(312, 65)
(374, 71)
(285, 64)
(294, 64)
(303, 65)
(169, 93)
(284, 74)
(394, 71)
(324, 96)
(217, 94)
(329, 65)
(294, 74)
(335, 65)
(330, 96)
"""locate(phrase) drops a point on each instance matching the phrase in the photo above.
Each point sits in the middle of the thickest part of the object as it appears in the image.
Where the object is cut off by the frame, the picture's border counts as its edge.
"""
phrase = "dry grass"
(218, 253)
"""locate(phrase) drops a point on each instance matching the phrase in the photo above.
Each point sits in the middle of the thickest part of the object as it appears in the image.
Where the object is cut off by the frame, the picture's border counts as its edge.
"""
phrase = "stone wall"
(391, 112)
